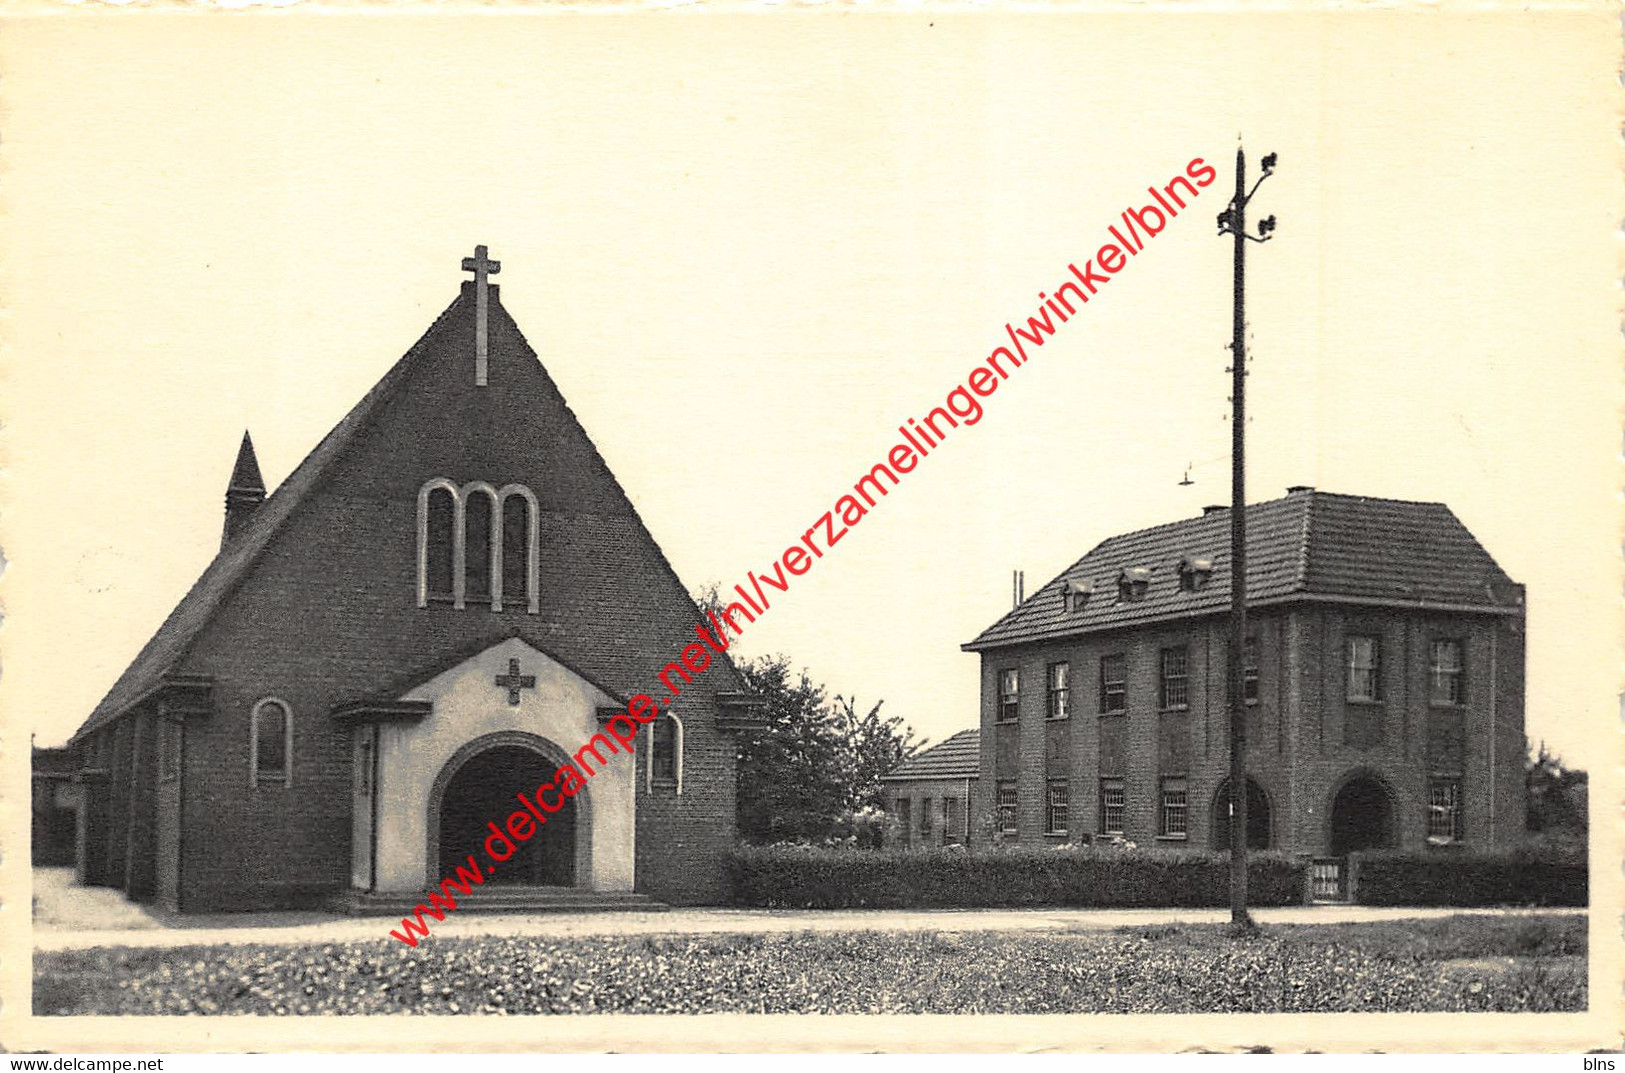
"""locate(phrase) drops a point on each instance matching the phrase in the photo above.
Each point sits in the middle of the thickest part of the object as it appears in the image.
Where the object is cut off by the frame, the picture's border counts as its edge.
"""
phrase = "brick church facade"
(433, 612)
(1384, 687)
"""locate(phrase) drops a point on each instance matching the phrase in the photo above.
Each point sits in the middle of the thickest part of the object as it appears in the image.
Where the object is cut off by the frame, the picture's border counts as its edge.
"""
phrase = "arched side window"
(439, 540)
(481, 544)
(478, 544)
(270, 743)
(666, 754)
(520, 554)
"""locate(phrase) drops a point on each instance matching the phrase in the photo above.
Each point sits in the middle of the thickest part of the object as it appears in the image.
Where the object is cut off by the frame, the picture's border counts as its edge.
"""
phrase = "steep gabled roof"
(1309, 544)
(175, 636)
(957, 758)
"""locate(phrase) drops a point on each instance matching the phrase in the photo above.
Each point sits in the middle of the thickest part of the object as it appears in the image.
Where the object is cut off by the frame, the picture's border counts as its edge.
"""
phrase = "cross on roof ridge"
(483, 268)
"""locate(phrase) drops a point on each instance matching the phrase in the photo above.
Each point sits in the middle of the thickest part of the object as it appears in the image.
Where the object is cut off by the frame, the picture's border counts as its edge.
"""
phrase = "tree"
(876, 746)
(813, 768)
(1554, 795)
(790, 767)
(811, 771)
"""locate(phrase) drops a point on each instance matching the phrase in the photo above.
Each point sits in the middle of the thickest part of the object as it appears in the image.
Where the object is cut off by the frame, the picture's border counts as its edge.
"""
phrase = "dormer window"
(1132, 583)
(478, 544)
(1194, 574)
(1075, 594)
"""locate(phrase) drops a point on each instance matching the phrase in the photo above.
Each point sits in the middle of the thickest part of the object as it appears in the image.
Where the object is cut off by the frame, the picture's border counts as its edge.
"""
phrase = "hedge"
(788, 877)
(1447, 877)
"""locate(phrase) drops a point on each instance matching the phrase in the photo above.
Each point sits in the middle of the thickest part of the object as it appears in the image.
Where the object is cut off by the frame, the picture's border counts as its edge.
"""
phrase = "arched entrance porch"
(1259, 818)
(480, 786)
(1362, 815)
(407, 761)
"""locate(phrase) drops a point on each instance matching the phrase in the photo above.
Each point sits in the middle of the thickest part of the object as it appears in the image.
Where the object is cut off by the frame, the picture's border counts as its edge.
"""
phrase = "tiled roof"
(228, 568)
(1309, 544)
(957, 758)
(163, 654)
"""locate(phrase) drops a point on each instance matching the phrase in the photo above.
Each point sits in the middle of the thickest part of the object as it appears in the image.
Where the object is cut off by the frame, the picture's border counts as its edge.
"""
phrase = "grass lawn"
(1515, 963)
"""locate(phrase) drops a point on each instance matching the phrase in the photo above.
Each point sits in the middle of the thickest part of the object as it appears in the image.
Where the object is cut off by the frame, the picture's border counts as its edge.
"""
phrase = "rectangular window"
(169, 750)
(1059, 704)
(1176, 677)
(1113, 805)
(1055, 808)
(905, 820)
(1249, 671)
(1009, 695)
(663, 752)
(925, 821)
(1113, 684)
(1444, 811)
(1006, 808)
(1173, 816)
(1444, 673)
(950, 820)
(1364, 665)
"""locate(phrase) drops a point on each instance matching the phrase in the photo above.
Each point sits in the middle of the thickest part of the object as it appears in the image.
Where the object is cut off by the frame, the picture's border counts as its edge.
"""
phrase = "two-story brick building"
(1384, 686)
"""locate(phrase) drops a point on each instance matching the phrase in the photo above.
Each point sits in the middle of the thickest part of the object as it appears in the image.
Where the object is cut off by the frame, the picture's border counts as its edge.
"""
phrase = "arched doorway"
(483, 790)
(1259, 820)
(1362, 816)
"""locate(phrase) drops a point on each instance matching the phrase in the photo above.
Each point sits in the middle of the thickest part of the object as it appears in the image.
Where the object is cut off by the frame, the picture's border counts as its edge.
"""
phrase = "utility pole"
(1233, 221)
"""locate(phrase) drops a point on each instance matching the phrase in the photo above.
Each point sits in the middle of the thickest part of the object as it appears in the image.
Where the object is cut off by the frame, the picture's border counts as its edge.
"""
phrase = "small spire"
(244, 493)
(245, 475)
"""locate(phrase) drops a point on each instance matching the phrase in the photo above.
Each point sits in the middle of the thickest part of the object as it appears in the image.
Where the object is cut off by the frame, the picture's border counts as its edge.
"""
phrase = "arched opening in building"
(1259, 820)
(484, 790)
(1362, 816)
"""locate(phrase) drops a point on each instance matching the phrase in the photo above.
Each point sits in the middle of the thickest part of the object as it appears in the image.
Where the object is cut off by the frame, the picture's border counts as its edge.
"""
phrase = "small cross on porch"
(513, 682)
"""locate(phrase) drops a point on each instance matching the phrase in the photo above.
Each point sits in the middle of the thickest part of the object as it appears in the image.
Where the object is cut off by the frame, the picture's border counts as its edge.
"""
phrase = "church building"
(433, 613)
(1383, 683)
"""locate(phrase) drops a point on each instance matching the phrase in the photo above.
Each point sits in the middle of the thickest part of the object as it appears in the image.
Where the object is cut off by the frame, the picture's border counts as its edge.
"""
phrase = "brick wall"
(1304, 739)
(167, 833)
(925, 795)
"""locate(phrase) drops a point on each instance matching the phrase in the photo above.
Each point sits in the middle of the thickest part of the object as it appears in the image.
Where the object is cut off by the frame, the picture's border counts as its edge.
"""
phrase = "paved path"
(70, 918)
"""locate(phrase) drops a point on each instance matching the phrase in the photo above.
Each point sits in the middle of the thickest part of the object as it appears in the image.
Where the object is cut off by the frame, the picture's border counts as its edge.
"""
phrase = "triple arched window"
(478, 544)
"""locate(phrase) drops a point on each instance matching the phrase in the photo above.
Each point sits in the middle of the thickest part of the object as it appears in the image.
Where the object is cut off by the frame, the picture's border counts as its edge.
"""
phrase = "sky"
(748, 247)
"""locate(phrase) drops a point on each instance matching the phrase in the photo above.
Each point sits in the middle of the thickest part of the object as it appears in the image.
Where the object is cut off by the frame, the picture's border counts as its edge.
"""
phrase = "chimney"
(1018, 587)
(1300, 488)
(244, 493)
(1213, 509)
